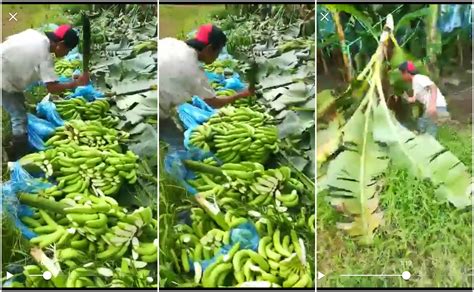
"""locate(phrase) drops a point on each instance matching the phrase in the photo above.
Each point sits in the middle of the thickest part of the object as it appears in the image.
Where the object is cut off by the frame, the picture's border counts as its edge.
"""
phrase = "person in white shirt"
(425, 91)
(27, 59)
(181, 76)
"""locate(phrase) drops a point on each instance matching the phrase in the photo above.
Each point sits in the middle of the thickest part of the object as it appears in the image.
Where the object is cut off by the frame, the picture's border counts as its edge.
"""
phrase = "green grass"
(430, 239)
(179, 20)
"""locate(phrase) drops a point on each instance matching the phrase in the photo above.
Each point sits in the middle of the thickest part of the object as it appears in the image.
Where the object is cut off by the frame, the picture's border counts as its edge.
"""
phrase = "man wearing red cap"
(26, 59)
(428, 94)
(181, 76)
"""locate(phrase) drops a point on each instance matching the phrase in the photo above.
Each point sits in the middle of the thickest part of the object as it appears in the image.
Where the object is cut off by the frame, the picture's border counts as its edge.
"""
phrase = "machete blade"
(86, 42)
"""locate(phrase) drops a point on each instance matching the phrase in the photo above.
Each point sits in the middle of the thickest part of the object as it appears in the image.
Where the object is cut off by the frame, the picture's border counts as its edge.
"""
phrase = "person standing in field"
(425, 91)
(181, 76)
(27, 59)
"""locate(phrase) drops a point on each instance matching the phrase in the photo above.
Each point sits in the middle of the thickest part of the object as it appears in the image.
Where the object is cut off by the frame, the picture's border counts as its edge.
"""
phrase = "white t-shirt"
(421, 90)
(181, 77)
(26, 59)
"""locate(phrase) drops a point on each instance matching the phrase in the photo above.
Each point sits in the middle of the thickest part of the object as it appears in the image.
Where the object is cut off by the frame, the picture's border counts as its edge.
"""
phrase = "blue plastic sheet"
(246, 234)
(175, 167)
(47, 109)
(38, 131)
(43, 128)
(88, 92)
(20, 182)
(193, 115)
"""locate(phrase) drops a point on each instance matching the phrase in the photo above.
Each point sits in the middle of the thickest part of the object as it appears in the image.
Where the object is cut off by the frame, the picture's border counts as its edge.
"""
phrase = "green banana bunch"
(66, 68)
(250, 182)
(79, 108)
(79, 168)
(202, 223)
(145, 251)
(91, 275)
(89, 133)
(237, 134)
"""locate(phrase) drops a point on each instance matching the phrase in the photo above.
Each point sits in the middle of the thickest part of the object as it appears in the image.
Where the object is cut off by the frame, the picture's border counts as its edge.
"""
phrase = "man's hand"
(83, 80)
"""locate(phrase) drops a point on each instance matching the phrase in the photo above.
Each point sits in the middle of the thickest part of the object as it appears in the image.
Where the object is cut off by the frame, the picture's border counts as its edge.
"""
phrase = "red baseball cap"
(208, 34)
(67, 34)
(408, 66)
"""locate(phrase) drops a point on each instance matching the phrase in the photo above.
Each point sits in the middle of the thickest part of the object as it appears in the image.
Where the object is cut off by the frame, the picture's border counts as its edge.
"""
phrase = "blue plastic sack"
(196, 113)
(234, 83)
(38, 131)
(246, 234)
(73, 55)
(88, 92)
(42, 128)
(47, 109)
(193, 115)
(20, 182)
(175, 167)
(214, 77)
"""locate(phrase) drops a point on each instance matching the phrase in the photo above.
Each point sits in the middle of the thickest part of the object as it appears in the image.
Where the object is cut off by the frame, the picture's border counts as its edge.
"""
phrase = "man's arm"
(56, 87)
(432, 105)
(218, 102)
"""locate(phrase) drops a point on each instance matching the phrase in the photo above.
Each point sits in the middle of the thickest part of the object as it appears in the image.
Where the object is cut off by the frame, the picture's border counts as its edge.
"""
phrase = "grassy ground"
(431, 240)
(178, 20)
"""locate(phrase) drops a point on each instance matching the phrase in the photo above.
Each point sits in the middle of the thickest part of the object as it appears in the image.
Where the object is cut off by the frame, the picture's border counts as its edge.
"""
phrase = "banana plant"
(372, 141)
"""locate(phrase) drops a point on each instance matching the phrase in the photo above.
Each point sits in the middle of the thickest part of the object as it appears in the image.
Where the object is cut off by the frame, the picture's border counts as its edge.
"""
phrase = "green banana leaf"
(352, 179)
(424, 157)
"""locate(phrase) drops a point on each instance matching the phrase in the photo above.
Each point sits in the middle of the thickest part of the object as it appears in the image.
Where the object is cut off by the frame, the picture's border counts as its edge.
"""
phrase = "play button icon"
(9, 275)
(320, 275)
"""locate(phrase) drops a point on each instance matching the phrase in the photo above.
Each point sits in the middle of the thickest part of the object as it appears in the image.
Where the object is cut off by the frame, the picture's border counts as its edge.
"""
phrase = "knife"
(86, 42)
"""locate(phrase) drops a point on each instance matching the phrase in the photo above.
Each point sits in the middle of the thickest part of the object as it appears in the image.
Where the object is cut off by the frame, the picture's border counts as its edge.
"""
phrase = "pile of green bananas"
(66, 68)
(248, 102)
(80, 168)
(91, 275)
(79, 108)
(249, 183)
(237, 134)
(279, 260)
(93, 229)
(89, 133)
(219, 66)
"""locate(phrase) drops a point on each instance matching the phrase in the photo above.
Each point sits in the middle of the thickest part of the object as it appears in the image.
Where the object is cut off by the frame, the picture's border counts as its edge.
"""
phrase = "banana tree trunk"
(433, 41)
(344, 49)
(323, 61)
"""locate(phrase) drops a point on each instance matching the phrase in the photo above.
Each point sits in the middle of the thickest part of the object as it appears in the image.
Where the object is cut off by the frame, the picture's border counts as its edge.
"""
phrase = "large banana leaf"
(352, 179)
(424, 157)
(328, 141)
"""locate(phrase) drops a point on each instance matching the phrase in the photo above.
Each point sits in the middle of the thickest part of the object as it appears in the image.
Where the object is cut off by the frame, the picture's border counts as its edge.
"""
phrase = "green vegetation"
(179, 20)
(422, 235)
(403, 199)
